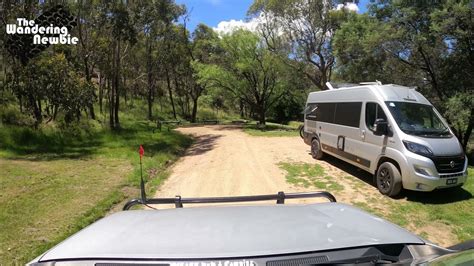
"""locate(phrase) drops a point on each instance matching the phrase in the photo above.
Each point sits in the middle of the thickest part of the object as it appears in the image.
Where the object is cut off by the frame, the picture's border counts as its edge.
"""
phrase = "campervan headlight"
(417, 148)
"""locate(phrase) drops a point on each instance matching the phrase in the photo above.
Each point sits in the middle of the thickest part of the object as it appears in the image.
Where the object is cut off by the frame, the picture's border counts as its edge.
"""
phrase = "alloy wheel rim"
(385, 179)
(315, 148)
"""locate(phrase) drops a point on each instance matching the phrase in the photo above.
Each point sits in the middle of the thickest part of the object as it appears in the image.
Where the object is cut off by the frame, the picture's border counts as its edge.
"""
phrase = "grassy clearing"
(428, 214)
(53, 184)
(309, 175)
(273, 130)
(444, 217)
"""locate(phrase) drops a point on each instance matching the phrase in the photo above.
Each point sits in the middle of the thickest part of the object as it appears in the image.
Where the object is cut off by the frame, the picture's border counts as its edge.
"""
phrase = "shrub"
(11, 115)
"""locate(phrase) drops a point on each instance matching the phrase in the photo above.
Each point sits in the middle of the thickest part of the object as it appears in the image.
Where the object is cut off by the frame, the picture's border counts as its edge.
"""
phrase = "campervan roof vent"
(371, 83)
(333, 86)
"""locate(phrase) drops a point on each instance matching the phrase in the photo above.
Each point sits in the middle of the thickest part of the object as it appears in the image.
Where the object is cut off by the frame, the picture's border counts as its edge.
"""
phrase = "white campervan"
(390, 131)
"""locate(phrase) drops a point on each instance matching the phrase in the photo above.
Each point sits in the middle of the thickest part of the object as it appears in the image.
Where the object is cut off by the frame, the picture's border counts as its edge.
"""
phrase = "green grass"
(309, 175)
(55, 183)
(273, 129)
(452, 209)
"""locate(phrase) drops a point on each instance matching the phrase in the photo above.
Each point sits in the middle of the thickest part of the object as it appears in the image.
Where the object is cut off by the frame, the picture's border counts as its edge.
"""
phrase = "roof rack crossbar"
(280, 198)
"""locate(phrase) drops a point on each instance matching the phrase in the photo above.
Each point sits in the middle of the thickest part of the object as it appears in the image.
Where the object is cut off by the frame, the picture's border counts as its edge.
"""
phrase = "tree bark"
(194, 112)
(261, 114)
(36, 110)
(170, 91)
(117, 87)
(150, 79)
(101, 92)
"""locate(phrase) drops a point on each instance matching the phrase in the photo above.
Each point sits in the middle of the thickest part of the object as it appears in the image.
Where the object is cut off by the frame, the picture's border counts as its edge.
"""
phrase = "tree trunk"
(117, 87)
(101, 92)
(168, 82)
(150, 80)
(194, 112)
(111, 105)
(150, 105)
(36, 110)
(261, 114)
(88, 79)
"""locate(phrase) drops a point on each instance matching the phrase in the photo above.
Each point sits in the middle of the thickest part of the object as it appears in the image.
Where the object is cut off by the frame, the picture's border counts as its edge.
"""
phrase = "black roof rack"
(280, 198)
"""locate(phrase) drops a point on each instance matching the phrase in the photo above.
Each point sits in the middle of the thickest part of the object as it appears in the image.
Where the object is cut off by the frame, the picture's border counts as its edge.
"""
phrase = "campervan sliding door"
(340, 131)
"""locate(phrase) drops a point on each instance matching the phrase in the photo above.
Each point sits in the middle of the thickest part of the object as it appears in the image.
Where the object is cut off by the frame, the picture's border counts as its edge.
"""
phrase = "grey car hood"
(444, 146)
(229, 232)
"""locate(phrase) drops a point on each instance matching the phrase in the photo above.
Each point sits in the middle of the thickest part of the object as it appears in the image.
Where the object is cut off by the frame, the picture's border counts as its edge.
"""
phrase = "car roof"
(229, 232)
(388, 92)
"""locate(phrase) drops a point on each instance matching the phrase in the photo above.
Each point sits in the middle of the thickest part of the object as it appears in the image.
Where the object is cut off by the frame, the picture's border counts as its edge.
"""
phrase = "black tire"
(301, 129)
(316, 150)
(388, 179)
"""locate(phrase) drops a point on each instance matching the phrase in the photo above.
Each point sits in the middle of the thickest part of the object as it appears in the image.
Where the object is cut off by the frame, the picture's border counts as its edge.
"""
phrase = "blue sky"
(211, 12)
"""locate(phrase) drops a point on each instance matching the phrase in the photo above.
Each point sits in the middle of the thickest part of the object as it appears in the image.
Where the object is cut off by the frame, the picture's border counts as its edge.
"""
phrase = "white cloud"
(226, 27)
(349, 6)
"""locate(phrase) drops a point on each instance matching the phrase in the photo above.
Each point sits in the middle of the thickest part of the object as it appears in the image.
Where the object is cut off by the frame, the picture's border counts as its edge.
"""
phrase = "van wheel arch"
(384, 159)
(396, 178)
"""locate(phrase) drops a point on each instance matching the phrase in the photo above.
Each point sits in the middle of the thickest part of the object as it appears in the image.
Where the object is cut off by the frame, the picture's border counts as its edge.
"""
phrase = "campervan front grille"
(451, 164)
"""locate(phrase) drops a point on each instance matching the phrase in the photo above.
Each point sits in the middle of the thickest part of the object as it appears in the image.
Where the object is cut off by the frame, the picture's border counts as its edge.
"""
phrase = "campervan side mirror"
(381, 127)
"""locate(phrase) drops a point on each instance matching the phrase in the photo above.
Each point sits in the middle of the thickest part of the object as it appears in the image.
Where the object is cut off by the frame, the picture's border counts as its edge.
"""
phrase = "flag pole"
(142, 183)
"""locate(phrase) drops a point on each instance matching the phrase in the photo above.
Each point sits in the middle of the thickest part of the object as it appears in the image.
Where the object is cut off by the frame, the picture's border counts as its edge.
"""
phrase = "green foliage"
(11, 115)
(459, 110)
(248, 71)
(50, 80)
(301, 30)
(428, 45)
(355, 45)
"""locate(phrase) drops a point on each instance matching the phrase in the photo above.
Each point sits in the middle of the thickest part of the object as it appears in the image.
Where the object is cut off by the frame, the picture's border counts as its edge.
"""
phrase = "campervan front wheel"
(389, 179)
(316, 151)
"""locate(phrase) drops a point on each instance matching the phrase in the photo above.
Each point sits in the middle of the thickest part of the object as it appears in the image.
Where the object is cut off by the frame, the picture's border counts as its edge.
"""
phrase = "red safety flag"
(141, 151)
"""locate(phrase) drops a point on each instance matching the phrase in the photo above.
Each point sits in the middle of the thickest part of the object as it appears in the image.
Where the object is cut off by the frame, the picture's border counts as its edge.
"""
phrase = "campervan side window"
(310, 111)
(346, 114)
(325, 112)
(373, 111)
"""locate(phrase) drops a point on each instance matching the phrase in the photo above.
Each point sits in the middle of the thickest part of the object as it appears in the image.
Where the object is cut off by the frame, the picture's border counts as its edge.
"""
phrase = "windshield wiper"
(436, 132)
(373, 259)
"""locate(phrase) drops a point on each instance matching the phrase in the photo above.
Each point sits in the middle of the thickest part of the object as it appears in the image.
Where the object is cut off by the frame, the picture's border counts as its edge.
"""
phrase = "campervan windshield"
(418, 119)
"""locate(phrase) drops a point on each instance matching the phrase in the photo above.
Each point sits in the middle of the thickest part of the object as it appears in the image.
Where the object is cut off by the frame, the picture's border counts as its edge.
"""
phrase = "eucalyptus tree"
(154, 19)
(428, 45)
(304, 28)
(248, 70)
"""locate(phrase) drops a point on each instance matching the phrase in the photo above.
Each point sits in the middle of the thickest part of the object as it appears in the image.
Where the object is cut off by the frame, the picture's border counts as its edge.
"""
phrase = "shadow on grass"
(40, 146)
(270, 127)
(442, 196)
(37, 145)
(230, 127)
(350, 169)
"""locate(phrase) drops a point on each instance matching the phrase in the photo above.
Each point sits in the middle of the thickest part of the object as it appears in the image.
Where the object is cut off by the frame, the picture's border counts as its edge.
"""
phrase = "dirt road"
(225, 161)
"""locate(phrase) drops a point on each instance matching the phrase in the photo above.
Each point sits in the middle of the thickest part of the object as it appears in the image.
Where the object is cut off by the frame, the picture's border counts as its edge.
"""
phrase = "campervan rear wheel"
(316, 151)
(389, 179)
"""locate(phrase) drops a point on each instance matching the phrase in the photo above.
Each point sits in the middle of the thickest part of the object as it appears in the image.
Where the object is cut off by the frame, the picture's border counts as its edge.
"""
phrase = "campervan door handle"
(362, 134)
